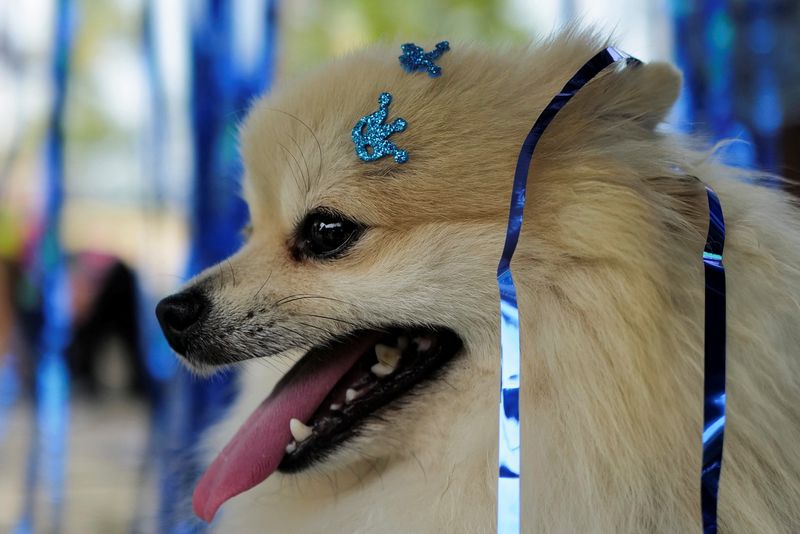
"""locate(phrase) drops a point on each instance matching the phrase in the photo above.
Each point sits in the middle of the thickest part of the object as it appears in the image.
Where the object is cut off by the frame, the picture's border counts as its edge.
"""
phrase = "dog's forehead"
(463, 130)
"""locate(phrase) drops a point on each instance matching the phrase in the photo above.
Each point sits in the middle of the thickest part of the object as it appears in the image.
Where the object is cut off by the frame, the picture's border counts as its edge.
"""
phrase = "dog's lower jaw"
(420, 486)
(399, 499)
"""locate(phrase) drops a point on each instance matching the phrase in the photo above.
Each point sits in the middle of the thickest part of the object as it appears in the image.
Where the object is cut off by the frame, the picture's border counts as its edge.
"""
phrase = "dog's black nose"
(178, 313)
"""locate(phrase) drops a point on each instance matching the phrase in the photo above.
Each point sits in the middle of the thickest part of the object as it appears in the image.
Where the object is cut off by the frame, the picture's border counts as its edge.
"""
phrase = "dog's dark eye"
(327, 234)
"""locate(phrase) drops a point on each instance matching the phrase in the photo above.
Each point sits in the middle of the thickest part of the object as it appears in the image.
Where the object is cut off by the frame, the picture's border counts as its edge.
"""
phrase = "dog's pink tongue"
(259, 445)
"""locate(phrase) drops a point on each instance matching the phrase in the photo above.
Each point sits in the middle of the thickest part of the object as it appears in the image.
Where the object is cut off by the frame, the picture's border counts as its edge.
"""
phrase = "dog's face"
(378, 276)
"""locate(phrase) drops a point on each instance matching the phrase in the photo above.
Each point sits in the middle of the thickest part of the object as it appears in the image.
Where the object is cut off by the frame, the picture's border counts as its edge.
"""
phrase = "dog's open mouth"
(320, 403)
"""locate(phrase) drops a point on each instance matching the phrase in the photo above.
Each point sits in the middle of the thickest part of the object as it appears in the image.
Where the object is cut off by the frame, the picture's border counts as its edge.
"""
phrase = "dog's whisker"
(264, 284)
(449, 384)
(267, 362)
(344, 321)
(300, 336)
(221, 276)
(280, 367)
(314, 326)
(233, 274)
(271, 361)
(421, 468)
(305, 161)
(310, 130)
(291, 168)
(301, 296)
(280, 301)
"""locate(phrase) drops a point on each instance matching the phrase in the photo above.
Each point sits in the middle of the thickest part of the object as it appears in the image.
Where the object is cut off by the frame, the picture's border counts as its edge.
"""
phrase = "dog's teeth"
(300, 432)
(402, 342)
(350, 395)
(335, 407)
(388, 356)
(423, 343)
(381, 369)
(291, 447)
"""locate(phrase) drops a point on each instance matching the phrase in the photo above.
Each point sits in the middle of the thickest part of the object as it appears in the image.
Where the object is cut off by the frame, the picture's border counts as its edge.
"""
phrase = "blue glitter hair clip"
(371, 134)
(415, 58)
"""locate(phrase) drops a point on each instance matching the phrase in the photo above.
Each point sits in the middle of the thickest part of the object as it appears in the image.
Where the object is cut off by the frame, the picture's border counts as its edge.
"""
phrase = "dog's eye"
(327, 234)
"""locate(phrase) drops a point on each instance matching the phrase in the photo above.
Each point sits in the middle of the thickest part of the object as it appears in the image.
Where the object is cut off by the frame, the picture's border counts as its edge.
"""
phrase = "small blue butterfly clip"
(415, 58)
(371, 133)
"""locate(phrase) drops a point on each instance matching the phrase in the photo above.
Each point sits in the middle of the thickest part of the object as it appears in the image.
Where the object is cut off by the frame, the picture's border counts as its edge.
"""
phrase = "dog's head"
(380, 275)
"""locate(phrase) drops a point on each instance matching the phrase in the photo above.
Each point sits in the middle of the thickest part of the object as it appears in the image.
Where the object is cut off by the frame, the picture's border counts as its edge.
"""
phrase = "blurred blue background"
(119, 180)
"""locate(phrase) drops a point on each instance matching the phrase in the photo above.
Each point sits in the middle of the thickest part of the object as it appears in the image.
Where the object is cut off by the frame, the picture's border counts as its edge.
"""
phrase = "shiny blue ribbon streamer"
(508, 487)
(48, 450)
(223, 85)
(714, 377)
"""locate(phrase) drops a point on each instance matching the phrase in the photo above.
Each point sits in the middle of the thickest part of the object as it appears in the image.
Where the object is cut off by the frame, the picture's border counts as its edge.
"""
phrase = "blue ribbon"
(47, 453)
(714, 377)
(225, 80)
(508, 488)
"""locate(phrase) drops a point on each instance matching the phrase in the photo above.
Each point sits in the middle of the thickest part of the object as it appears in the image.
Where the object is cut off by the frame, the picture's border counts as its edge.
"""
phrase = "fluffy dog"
(375, 282)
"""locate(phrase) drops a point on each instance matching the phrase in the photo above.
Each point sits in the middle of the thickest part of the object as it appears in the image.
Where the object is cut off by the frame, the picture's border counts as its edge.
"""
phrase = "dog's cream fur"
(611, 288)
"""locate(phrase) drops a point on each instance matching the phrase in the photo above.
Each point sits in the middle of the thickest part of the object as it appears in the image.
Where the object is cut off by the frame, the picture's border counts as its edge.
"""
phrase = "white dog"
(376, 282)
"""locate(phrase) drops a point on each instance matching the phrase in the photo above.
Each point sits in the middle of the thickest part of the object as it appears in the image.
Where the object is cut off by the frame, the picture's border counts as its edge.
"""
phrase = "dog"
(365, 304)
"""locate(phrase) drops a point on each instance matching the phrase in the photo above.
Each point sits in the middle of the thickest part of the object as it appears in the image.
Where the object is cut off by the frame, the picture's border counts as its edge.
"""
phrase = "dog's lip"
(305, 393)
(424, 352)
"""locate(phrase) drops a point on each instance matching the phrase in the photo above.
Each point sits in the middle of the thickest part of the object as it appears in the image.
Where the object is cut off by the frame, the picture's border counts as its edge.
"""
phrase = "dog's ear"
(642, 93)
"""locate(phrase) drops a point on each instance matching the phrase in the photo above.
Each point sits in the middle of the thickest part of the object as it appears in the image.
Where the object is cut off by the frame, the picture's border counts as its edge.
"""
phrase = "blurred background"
(119, 180)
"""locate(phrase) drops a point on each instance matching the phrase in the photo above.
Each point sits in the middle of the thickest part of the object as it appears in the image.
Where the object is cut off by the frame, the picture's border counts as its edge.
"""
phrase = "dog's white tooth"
(300, 431)
(350, 395)
(381, 369)
(402, 342)
(336, 407)
(423, 343)
(291, 447)
(388, 356)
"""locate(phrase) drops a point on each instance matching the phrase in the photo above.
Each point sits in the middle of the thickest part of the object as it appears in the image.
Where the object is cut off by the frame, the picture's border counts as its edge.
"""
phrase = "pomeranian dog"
(367, 290)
